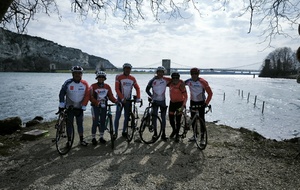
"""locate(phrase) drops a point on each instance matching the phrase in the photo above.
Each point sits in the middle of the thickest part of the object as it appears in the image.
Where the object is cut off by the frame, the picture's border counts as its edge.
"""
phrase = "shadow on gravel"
(161, 164)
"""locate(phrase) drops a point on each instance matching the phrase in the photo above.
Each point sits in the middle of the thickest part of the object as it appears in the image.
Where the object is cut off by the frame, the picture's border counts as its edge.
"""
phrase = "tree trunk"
(4, 5)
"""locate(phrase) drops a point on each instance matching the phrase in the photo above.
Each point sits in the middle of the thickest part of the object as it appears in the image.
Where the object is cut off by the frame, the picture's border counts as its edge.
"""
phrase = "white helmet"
(77, 69)
(100, 74)
(160, 68)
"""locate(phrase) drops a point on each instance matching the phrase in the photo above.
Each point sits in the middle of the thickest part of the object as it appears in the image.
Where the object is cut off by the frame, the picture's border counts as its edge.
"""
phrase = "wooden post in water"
(255, 100)
(263, 107)
(248, 97)
(239, 92)
(242, 94)
(224, 96)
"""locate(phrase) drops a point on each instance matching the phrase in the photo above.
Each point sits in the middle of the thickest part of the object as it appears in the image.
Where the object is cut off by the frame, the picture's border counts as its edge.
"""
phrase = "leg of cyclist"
(163, 109)
(126, 115)
(70, 115)
(117, 118)
(178, 119)
(102, 124)
(79, 122)
(155, 112)
(172, 110)
(95, 116)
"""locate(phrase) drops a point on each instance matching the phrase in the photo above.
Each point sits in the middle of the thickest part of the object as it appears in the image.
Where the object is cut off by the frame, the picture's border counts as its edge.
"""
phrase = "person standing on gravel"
(100, 93)
(178, 98)
(198, 87)
(158, 85)
(75, 93)
(123, 86)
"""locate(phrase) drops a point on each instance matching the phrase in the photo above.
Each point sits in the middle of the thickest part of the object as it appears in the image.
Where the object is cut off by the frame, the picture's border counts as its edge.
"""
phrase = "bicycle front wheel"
(200, 133)
(183, 127)
(64, 136)
(150, 129)
(131, 127)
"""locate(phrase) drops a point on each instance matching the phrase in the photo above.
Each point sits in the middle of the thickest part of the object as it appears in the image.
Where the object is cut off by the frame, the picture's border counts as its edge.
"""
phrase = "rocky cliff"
(27, 53)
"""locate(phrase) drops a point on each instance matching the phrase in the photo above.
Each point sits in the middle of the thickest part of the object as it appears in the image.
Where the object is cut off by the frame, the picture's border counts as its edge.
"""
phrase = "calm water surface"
(36, 94)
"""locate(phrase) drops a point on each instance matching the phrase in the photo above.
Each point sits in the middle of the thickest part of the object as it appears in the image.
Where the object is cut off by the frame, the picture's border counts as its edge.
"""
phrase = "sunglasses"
(194, 74)
(175, 77)
(101, 77)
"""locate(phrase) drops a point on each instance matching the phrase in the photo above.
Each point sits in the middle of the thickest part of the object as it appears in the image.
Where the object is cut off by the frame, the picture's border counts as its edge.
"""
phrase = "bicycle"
(133, 117)
(150, 129)
(109, 124)
(199, 125)
(64, 135)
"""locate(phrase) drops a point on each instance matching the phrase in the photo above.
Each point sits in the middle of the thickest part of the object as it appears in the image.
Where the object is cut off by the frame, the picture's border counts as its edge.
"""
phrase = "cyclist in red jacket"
(123, 86)
(178, 98)
(100, 93)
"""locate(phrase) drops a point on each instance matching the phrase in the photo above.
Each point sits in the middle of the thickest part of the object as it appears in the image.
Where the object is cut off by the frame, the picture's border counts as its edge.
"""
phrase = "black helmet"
(127, 65)
(194, 70)
(175, 74)
(77, 69)
(100, 74)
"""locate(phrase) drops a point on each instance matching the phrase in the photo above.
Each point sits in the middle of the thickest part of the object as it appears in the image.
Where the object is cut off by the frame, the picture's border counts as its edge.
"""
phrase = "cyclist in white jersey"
(198, 87)
(75, 93)
(158, 85)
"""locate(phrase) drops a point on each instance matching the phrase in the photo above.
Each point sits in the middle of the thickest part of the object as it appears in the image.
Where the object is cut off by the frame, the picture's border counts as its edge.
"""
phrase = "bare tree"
(272, 13)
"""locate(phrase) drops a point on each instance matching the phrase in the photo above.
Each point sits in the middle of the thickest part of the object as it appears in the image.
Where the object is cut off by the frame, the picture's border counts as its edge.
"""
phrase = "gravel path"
(233, 159)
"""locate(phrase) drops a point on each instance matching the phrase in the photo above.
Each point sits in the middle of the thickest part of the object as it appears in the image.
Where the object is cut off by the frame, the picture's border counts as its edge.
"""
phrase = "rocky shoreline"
(233, 159)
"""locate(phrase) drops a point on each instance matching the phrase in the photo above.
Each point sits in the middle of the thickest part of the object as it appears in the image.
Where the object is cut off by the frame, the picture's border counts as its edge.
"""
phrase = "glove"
(204, 105)
(138, 100)
(83, 108)
(119, 104)
(60, 109)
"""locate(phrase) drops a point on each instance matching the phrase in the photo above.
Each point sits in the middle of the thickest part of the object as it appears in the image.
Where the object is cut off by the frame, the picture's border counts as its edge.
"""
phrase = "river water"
(267, 106)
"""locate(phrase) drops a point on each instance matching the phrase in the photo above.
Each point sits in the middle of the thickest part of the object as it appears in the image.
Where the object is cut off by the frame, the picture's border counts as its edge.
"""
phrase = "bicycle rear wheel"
(200, 133)
(131, 127)
(148, 132)
(64, 136)
(111, 131)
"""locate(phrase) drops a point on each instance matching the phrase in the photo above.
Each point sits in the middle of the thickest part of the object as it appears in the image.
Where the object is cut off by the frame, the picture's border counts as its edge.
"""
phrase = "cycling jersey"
(158, 86)
(124, 85)
(198, 89)
(74, 94)
(101, 93)
(178, 92)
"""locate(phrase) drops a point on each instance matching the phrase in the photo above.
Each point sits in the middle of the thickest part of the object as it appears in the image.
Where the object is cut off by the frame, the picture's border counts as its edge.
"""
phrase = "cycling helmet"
(100, 74)
(175, 74)
(195, 70)
(77, 69)
(160, 68)
(127, 65)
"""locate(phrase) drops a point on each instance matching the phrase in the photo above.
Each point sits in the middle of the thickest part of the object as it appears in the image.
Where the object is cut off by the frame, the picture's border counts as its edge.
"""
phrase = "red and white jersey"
(101, 93)
(198, 89)
(124, 85)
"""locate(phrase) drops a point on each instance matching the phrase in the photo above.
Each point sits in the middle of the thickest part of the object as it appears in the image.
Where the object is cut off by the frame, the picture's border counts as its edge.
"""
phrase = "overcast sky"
(216, 39)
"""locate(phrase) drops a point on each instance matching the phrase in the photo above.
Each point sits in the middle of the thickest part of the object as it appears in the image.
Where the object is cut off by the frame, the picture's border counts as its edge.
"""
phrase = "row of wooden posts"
(241, 93)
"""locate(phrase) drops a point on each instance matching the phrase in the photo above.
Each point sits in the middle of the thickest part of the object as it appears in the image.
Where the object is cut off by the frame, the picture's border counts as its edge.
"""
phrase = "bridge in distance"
(204, 71)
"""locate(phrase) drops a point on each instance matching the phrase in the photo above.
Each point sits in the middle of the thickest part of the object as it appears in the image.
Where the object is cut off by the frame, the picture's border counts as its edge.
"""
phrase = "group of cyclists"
(77, 93)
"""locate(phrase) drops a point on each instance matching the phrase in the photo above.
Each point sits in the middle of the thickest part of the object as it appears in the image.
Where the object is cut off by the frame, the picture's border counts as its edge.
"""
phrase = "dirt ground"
(233, 159)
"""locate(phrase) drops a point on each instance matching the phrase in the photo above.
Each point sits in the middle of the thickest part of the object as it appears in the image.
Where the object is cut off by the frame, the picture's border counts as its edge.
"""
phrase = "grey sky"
(216, 39)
